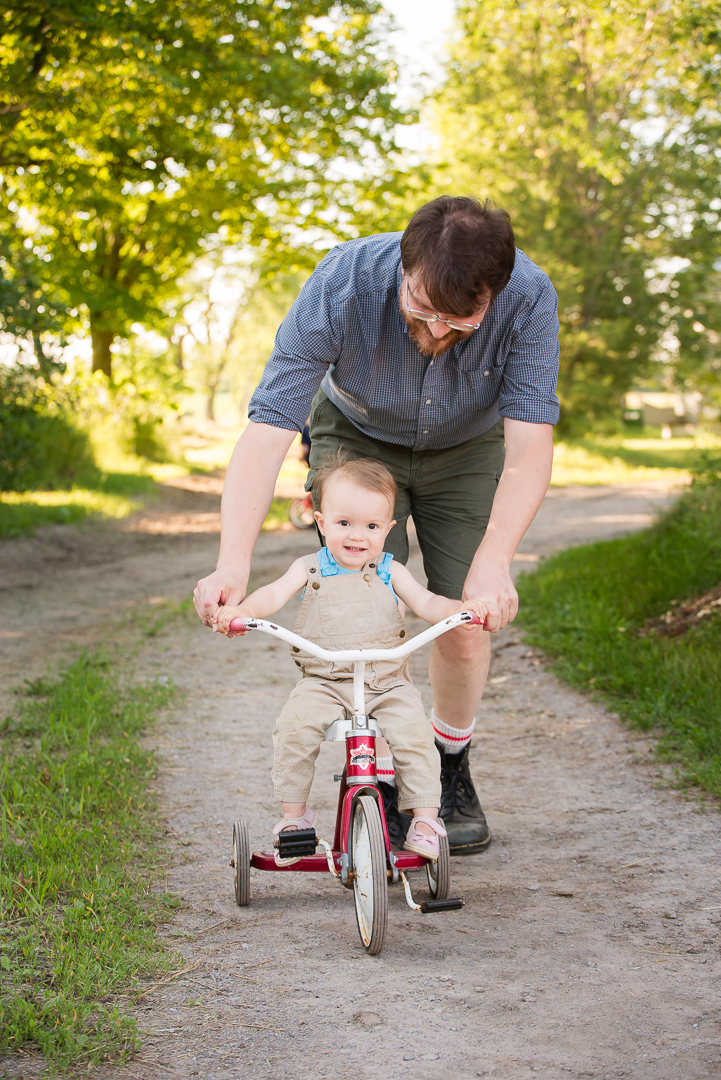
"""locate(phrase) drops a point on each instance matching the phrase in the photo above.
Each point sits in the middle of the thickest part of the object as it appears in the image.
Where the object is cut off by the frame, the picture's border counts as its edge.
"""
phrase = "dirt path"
(589, 942)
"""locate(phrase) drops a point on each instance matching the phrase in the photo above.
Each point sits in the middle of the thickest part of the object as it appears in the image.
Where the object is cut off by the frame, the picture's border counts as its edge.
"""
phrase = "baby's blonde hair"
(365, 472)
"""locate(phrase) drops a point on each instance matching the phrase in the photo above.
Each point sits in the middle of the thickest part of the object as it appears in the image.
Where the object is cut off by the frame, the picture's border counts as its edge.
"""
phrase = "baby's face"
(355, 523)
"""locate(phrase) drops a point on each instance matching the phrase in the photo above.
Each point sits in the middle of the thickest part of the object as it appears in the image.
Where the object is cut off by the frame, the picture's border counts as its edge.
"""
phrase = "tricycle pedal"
(429, 906)
(296, 843)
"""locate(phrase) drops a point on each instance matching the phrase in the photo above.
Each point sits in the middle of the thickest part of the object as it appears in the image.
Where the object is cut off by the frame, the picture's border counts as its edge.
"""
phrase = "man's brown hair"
(461, 250)
(365, 472)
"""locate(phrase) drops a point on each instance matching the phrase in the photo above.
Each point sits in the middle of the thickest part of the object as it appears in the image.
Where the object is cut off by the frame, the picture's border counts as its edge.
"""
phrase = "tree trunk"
(102, 356)
(210, 404)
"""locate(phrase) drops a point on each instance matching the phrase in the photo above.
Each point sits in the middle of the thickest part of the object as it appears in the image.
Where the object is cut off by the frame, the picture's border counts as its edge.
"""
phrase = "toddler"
(350, 601)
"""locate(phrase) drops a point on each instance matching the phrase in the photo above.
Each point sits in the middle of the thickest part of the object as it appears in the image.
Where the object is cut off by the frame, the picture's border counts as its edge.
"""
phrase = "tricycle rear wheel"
(439, 872)
(370, 881)
(301, 513)
(241, 863)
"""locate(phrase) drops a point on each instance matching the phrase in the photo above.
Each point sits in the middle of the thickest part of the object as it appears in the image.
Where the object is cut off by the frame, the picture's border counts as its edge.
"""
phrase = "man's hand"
(491, 585)
(223, 588)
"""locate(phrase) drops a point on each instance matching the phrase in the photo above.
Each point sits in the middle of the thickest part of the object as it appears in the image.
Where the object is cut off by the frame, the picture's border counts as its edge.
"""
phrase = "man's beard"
(423, 339)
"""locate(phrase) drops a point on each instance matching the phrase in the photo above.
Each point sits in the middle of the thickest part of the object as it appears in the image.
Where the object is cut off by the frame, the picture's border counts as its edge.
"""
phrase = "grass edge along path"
(79, 836)
(95, 495)
(586, 607)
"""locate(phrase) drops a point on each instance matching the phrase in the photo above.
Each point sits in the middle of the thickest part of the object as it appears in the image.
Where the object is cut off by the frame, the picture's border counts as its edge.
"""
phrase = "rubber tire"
(439, 872)
(300, 515)
(241, 863)
(368, 861)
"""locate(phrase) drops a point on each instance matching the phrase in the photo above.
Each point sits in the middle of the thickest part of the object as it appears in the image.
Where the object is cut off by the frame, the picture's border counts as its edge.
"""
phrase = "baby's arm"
(264, 601)
(428, 605)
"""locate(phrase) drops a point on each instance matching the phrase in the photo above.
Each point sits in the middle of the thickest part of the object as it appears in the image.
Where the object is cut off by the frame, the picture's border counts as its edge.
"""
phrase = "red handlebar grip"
(477, 620)
(237, 624)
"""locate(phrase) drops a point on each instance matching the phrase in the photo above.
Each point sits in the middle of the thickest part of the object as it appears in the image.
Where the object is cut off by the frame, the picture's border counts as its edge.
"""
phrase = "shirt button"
(316, 585)
(402, 634)
(428, 400)
(366, 577)
(295, 648)
(486, 373)
(372, 565)
(426, 431)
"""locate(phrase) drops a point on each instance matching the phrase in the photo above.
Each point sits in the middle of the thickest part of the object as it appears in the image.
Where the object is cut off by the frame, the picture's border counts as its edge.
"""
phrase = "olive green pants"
(448, 493)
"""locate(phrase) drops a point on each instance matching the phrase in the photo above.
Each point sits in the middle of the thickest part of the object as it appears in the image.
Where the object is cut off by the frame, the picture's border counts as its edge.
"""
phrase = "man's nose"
(439, 329)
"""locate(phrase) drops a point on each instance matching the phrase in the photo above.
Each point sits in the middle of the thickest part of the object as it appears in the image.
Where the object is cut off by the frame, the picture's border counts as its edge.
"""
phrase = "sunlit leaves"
(596, 125)
(167, 124)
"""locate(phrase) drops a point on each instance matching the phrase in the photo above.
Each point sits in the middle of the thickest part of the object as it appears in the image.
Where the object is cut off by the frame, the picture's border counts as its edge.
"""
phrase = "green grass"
(634, 459)
(585, 605)
(277, 515)
(105, 495)
(78, 834)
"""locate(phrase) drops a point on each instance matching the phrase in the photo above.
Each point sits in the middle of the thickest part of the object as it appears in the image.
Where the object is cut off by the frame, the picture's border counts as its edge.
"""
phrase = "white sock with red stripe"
(385, 770)
(452, 739)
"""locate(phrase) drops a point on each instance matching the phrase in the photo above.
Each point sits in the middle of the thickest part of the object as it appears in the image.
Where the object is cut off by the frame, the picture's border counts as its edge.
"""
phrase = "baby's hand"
(477, 606)
(224, 617)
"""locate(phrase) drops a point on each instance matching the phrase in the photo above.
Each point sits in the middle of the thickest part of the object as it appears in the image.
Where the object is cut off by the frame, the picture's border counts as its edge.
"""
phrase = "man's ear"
(319, 521)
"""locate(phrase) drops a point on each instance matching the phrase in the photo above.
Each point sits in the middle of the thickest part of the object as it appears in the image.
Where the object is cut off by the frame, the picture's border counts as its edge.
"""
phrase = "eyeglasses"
(425, 317)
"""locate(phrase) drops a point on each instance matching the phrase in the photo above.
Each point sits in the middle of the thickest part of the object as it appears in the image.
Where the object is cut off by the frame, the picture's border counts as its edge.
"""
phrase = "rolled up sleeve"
(307, 343)
(528, 388)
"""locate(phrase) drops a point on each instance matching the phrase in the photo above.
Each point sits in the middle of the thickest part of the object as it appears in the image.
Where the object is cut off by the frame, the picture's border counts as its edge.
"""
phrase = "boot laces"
(456, 789)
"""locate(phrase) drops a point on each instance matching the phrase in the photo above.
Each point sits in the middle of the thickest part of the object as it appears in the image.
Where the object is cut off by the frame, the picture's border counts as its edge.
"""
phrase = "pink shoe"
(291, 824)
(421, 844)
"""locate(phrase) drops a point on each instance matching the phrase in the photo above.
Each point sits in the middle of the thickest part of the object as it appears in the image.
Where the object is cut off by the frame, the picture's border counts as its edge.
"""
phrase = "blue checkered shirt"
(345, 332)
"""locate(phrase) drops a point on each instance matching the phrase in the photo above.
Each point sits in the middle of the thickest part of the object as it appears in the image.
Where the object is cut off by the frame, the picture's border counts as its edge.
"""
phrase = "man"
(428, 350)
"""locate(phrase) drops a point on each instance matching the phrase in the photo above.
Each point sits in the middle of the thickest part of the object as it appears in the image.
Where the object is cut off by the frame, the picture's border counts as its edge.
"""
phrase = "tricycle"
(360, 856)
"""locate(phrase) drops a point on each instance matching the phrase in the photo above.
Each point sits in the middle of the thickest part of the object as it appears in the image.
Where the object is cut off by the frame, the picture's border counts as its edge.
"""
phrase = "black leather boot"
(461, 812)
(398, 822)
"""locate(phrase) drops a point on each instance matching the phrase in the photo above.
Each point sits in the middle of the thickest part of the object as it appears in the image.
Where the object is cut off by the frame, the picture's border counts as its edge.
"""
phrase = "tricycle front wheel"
(370, 881)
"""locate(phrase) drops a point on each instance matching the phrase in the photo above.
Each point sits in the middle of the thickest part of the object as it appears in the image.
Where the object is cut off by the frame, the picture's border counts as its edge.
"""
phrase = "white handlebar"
(398, 653)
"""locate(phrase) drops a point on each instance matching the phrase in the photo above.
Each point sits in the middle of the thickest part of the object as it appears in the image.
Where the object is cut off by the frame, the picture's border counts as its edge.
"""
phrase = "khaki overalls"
(353, 611)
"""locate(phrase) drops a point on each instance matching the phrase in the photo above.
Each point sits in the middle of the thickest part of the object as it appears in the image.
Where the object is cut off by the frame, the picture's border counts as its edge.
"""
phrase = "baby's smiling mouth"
(352, 547)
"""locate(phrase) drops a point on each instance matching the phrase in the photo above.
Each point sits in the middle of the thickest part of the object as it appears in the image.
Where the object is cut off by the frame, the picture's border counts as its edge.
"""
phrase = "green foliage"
(596, 126)
(76, 828)
(137, 403)
(39, 445)
(136, 133)
(51, 430)
(584, 606)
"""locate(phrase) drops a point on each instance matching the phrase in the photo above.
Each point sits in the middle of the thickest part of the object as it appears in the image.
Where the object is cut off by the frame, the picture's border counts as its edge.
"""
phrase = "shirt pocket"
(348, 619)
(483, 384)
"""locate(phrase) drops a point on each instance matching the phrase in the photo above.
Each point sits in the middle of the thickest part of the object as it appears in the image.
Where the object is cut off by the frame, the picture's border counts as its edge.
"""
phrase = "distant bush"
(59, 423)
(40, 446)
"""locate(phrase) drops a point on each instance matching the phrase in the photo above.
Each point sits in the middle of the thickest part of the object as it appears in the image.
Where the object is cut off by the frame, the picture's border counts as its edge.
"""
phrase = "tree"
(596, 125)
(230, 315)
(134, 133)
